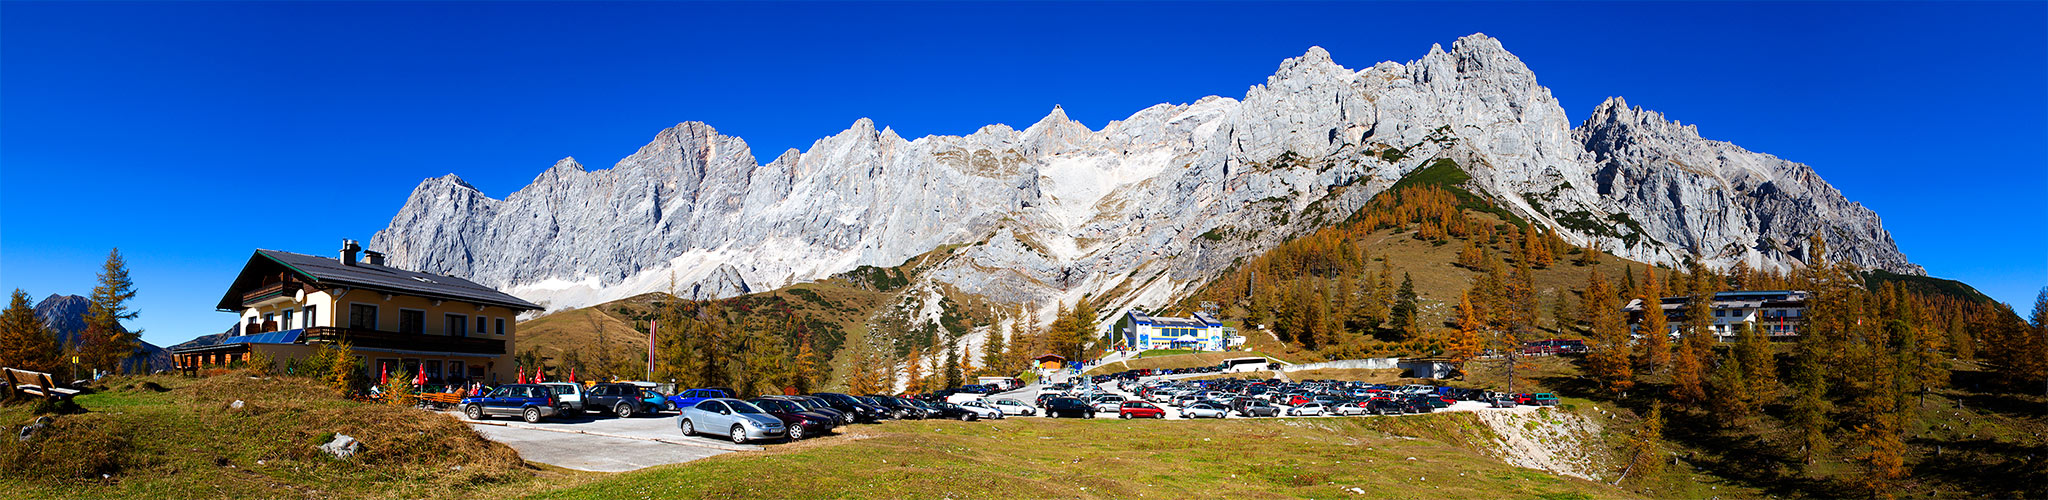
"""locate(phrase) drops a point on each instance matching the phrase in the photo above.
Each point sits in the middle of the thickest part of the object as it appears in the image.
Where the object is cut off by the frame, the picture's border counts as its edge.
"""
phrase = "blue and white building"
(1201, 332)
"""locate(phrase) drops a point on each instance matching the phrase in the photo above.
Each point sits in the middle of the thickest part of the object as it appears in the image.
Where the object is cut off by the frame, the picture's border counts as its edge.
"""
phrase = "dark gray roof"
(329, 272)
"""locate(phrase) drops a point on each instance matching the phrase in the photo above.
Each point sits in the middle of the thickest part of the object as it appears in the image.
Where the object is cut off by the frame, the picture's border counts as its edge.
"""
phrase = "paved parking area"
(602, 443)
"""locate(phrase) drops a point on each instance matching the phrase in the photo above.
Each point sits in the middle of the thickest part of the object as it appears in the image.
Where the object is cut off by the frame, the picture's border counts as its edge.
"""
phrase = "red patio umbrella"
(420, 380)
(384, 374)
(572, 374)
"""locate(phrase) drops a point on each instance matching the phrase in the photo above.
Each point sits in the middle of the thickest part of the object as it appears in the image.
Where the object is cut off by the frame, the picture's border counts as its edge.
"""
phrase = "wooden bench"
(37, 384)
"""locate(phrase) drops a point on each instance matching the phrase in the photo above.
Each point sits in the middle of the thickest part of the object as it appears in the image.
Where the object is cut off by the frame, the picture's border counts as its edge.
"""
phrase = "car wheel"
(1161, 416)
(532, 415)
(1125, 416)
(966, 417)
(738, 434)
(796, 432)
(689, 429)
(670, 406)
(474, 412)
(623, 410)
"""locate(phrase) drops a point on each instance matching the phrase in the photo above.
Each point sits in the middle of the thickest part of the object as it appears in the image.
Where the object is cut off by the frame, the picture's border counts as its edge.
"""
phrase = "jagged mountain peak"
(1137, 209)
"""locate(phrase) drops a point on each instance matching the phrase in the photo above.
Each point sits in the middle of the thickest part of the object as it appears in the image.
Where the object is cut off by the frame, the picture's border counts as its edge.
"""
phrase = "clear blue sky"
(188, 134)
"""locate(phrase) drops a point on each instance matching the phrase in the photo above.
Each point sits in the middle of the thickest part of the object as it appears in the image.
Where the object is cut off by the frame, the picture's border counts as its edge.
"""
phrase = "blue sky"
(188, 134)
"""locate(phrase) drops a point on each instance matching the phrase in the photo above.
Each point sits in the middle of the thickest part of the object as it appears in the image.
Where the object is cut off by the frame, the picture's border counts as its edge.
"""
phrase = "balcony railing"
(405, 341)
(266, 292)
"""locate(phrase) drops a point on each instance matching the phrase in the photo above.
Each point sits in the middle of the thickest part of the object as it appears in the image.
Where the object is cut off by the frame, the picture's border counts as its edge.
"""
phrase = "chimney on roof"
(348, 251)
(375, 258)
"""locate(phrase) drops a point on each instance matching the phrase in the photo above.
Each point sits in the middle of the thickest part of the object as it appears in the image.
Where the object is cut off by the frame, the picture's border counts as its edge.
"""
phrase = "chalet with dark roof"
(399, 320)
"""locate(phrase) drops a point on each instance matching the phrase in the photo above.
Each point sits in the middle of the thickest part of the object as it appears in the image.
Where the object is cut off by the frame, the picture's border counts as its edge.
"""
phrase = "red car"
(1140, 409)
(1298, 399)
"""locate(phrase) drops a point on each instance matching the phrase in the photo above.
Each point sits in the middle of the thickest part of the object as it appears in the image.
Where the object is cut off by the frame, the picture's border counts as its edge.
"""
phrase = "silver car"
(739, 420)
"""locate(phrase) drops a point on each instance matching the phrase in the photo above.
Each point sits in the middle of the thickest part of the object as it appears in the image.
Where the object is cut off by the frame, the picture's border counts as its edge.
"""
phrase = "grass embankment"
(1042, 458)
(185, 441)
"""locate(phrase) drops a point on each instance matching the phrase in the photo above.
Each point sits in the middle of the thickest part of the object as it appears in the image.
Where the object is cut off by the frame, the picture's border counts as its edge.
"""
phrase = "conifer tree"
(1688, 364)
(1472, 256)
(1646, 449)
(1609, 360)
(1655, 329)
(25, 343)
(954, 375)
(1405, 324)
(913, 373)
(993, 349)
(1464, 343)
(1759, 367)
(106, 343)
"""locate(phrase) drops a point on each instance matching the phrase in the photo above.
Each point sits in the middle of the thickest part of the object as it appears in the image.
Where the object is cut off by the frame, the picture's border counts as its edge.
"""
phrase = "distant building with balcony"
(397, 320)
(1200, 332)
(1776, 314)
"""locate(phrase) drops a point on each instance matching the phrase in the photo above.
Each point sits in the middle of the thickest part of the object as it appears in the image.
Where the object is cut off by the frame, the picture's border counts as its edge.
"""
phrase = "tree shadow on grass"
(1986, 468)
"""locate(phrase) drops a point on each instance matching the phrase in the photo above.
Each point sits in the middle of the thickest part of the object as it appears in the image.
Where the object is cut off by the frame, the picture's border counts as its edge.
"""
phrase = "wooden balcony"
(404, 341)
(285, 289)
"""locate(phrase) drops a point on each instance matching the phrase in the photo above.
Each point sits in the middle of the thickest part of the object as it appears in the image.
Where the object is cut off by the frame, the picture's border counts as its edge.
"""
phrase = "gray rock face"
(1139, 211)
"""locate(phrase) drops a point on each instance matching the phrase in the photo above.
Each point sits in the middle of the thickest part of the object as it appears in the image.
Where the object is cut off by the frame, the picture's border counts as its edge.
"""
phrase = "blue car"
(691, 397)
(530, 402)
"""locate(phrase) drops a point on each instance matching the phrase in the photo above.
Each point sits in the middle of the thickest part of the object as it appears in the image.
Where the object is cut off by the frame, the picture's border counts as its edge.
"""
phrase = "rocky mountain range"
(65, 315)
(1135, 213)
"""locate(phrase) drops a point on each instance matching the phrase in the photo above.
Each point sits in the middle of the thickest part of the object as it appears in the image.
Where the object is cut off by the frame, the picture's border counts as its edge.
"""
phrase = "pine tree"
(993, 349)
(1609, 360)
(1405, 324)
(954, 375)
(25, 343)
(106, 343)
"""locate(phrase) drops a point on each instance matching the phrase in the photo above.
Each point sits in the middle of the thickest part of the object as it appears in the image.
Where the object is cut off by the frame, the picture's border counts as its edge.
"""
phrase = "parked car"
(1249, 407)
(862, 411)
(945, 410)
(1107, 404)
(1502, 402)
(900, 408)
(737, 420)
(1068, 407)
(818, 405)
(569, 397)
(624, 400)
(1384, 406)
(1204, 410)
(690, 397)
(799, 422)
(982, 409)
(1140, 409)
(1014, 407)
(530, 402)
(1362, 407)
(1309, 408)
(1417, 405)
(1537, 399)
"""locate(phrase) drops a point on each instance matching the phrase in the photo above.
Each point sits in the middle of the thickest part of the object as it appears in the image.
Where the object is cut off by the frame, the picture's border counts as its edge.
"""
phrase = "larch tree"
(1759, 366)
(1609, 359)
(1464, 343)
(1696, 341)
(25, 343)
(106, 342)
(1654, 327)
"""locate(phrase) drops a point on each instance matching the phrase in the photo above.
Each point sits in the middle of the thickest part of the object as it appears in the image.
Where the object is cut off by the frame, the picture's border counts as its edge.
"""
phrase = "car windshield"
(650, 393)
(745, 407)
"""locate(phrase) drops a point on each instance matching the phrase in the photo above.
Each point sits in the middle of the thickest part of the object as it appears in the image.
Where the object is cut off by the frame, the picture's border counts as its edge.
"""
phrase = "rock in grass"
(342, 446)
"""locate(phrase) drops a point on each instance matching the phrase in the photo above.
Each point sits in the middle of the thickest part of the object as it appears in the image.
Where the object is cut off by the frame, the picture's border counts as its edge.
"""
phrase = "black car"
(899, 408)
(860, 409)
(1417, 405)
(816, 404)
(1068, 407)
(622, 400)
(947, 410)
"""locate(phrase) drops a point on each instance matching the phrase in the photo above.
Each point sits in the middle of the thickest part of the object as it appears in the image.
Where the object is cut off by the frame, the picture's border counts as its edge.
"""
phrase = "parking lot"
(600, 443)
(603, 443)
